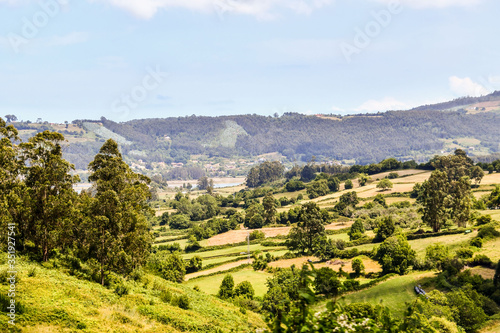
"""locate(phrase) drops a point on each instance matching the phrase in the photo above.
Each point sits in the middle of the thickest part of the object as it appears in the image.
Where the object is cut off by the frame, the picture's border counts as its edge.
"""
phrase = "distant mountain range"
(470, 123)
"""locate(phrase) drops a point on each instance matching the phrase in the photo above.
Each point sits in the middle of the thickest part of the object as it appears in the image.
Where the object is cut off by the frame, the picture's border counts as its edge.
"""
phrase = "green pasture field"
(211, 284)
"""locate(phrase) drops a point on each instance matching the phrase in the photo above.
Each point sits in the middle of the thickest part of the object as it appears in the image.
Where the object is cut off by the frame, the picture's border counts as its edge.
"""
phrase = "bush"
(481, 260)
(351, 285)
(257, 234)
(348, 184)
(488, 232)
(357, 266)
(464, 253)
(395, 255)
(121, 290)
(183, 302)
(226, 288)
(393, 175)
(477, 242)
(484, 219)
(179, 221)
(326, 282)
(195, 264)
(244, 289)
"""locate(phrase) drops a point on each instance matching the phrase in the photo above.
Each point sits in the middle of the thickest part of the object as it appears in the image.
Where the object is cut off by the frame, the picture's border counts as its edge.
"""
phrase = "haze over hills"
(470, 123)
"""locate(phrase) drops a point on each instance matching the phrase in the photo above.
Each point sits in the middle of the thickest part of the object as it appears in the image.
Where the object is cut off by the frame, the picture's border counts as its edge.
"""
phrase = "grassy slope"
(57, 302)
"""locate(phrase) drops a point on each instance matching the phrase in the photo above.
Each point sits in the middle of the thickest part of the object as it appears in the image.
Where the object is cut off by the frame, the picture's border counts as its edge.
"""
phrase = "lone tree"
(385, 184)
(226, 289)
(433, 200)
(309, 231)
(395, 255)
(10, 118)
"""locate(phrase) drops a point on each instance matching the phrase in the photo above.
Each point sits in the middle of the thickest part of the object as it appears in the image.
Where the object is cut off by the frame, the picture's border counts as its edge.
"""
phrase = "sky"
(131, 59)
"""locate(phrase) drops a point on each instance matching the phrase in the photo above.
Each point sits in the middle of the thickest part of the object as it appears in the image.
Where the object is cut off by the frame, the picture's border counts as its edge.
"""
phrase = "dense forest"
(366, 139)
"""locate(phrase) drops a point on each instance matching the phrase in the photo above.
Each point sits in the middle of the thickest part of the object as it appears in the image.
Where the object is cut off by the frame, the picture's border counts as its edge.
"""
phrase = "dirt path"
(220, 268)
(238, 236)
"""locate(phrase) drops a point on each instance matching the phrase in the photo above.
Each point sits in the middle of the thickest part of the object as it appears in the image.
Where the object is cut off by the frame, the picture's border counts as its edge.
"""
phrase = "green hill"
(53, 301)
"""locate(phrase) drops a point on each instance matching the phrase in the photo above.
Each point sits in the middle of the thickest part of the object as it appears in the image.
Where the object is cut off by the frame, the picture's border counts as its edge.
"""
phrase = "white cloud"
(337, 109)
(387, 103)
(467, 87)
(69, 39)
(259, 8)
(433, 3)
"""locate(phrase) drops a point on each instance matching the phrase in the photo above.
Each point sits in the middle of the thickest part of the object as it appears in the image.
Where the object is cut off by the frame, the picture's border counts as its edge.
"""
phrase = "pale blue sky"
(68, 59)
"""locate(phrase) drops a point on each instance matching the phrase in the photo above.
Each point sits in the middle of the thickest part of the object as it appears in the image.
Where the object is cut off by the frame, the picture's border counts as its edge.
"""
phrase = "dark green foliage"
(379, 198)
(385, 229)
(256, 234)
(496, 277)
(467, 309)
(395, 255)
(309, 231)
(481, 260)
(357, 230)
(195, 264)
(385, 184)
(170, 266)
(327, 283)
(264, 173)
(121, 290)
(435, 255)
(477, 242)
(488, 232)
(183, 302)
(179, 221)
(484, 219)
(348, 184)
(294, 185)
(244, 289)
(393, 175)
(226, 289)
(357, 266)
(317, 188)
(464, 253)
(351, 285)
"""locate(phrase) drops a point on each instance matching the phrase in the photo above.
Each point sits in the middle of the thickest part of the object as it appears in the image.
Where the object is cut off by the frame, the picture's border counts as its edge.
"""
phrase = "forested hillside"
(365, 138)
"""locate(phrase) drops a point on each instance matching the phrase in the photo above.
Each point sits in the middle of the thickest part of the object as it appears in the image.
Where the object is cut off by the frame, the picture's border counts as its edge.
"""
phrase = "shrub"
(395, 255)
(476, 242)
(488, 232)
(481, 260)
(257, 234)
(244, 289)
(484, 219)
(195, 264)
(351, 285)
(435, 255)
(326, 282)
(121, 290)
(179, 221)
(226, 288)
(393, 175)
(348, 184)
(357, 266)
(464, 253)
(183, 302)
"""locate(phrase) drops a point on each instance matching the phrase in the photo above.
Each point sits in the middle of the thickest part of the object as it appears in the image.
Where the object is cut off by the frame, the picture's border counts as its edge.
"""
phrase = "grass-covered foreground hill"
(51, 300)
